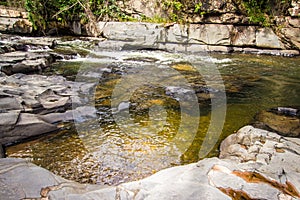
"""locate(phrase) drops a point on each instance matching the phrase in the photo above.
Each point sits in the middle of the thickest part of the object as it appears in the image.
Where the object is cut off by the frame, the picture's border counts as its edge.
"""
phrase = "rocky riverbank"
(225, 30)
(253, 164)
(195, 38)
(33, 102)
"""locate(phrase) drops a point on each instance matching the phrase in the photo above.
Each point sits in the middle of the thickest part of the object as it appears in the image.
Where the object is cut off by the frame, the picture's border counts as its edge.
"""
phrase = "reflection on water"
(135, 138)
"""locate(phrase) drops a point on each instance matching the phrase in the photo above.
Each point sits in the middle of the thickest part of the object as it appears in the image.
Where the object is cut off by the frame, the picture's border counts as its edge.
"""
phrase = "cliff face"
(225, 38)
(225, 15)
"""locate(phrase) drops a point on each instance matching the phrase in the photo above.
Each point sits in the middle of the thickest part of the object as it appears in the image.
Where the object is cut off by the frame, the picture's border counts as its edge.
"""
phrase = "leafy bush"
(174, 9)
(261, 11)
(44, 13)
(106, 10)
(3, 3)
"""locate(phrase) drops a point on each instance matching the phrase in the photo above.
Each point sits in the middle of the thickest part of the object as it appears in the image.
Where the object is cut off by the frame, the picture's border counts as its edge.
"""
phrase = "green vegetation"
(54, 13)
(3, 3)
(106, 10)
(263, 11)
(174, 9)
(58, 13)
(43, 14)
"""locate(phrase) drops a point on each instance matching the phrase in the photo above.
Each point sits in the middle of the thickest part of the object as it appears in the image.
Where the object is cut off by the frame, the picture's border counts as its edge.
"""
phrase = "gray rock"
(212, 34)
(2, 153)
(244, 36)
(50, 100)
(32, 105)
(273, 174)
(10, 118)
(10, 103)
(266, 38)
(24, 62)
(27, 66)
(28, 125)
(7, 24)
(15, 25)
(8, 121)
(23, 186)
(143, 7)
(275, 157)
(129, 31)
(293, 34)
(12, 57)
(79, 114)
(198, 38)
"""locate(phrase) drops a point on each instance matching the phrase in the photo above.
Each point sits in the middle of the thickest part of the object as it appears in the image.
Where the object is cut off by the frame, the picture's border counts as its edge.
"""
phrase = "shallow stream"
(158, 109)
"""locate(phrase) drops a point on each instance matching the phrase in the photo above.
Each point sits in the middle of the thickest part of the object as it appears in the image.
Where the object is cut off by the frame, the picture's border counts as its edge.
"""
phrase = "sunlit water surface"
(150, 131)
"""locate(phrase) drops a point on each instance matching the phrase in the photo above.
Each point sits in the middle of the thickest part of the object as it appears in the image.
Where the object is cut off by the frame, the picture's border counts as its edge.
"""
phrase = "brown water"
(131, 140)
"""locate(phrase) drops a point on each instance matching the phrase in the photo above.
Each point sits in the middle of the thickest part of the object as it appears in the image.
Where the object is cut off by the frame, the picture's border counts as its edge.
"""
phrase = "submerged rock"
(282, 120)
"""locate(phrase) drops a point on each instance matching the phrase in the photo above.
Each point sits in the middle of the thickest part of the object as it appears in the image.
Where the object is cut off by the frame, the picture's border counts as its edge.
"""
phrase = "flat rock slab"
(27, 181)
(28, 125)
(272, 173)
(9, 103)
(32, 105)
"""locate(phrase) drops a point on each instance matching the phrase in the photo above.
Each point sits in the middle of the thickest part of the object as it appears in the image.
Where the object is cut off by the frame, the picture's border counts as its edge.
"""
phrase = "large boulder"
(27, 181)
(266, 38)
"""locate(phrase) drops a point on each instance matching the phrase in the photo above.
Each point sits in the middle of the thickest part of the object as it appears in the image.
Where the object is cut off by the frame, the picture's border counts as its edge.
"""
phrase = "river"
(159, 109)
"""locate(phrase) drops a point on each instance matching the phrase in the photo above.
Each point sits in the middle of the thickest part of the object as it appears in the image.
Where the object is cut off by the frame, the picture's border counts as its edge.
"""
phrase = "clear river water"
(157, 110)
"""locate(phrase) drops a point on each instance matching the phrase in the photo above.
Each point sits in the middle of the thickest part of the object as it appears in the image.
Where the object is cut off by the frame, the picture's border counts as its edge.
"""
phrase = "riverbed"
(142, 125)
